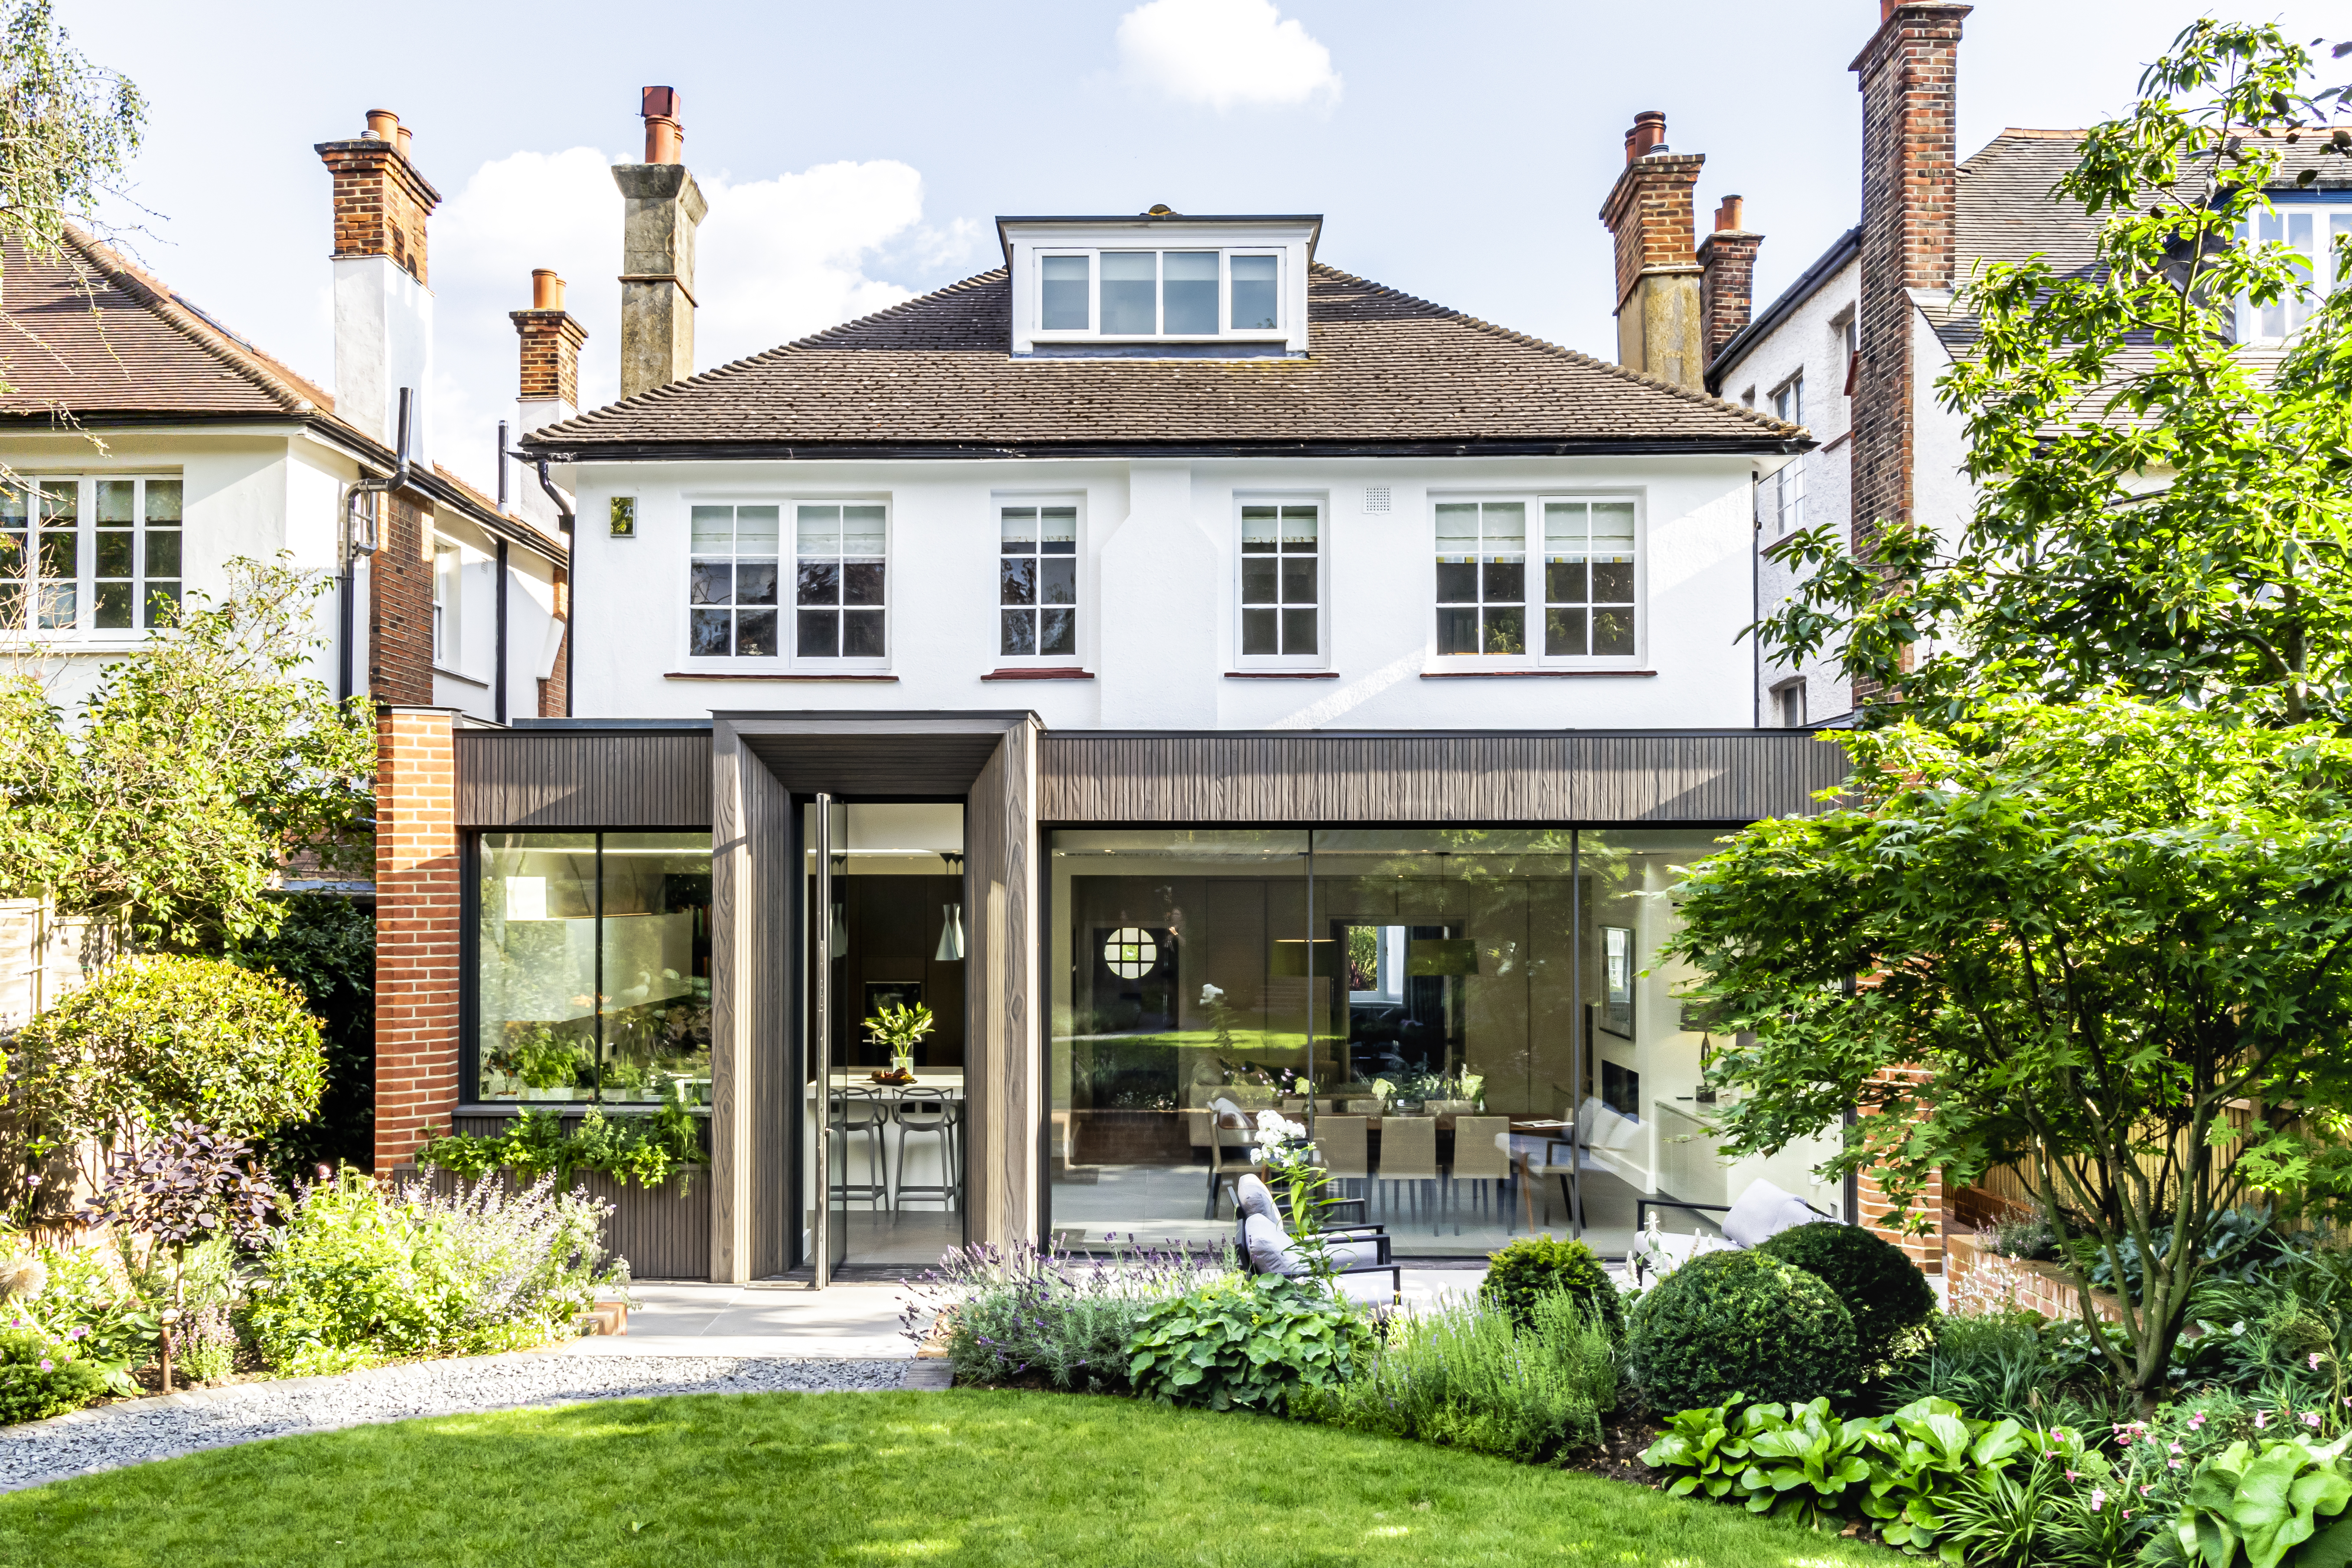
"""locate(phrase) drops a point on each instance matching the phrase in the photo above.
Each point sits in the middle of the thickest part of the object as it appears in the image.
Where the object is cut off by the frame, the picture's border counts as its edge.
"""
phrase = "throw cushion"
(1228, 1114)
(1251, 1197)
(1763, 1212)
(1269, 1247)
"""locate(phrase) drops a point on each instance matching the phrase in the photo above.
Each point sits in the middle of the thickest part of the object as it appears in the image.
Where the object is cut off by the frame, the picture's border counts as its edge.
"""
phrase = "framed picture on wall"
(1617, 980)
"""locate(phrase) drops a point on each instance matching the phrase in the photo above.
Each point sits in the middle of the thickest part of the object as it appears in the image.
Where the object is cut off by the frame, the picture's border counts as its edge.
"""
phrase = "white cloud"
(777, 259)
(1226, 54)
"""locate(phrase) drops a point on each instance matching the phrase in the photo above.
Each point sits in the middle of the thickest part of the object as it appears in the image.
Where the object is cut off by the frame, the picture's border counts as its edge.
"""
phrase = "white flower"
(1278, 1125)
(1211, 995)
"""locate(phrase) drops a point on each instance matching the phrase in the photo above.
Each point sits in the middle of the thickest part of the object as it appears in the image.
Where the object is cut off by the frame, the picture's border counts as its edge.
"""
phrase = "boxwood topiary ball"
(1729, 1323)
(1882, 1289)
(1525, 1270)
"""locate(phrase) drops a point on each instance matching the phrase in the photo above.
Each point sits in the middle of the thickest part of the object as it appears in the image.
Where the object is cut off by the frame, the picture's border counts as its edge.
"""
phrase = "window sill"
(774, 675)
(454, 675)
(1282, 675)
(609, 1106)
(1538, 674)
(1038, 673)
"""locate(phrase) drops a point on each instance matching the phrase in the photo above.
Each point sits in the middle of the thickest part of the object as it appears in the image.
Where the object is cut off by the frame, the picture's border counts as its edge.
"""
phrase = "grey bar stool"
(864, 1117)
(926, 1112)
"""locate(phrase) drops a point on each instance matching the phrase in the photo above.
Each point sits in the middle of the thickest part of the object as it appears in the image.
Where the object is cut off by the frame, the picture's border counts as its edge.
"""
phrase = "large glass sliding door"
(1492, 1043)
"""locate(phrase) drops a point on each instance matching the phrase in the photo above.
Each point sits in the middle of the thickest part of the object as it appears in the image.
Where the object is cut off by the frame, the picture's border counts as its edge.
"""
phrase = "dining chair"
(1345, 1144)
(1409, 1153)
(1233, 1149)
(1482, 1157)
(864, 1117)
(928, 1112)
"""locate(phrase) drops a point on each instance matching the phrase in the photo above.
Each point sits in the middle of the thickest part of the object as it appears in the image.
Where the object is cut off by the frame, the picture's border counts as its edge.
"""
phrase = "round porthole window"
(1131, 953)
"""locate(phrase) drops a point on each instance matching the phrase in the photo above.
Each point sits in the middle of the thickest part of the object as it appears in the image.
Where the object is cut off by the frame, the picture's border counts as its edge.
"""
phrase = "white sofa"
(1761, 1213)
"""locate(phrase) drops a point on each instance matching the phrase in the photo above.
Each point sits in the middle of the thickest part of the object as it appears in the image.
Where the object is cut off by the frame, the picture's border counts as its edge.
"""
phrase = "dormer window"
(1161, 283)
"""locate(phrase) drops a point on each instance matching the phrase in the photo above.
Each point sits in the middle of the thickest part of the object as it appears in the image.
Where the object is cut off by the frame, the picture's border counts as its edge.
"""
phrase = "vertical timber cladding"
(752, 938)
(1732, 776)
(1002, 1089)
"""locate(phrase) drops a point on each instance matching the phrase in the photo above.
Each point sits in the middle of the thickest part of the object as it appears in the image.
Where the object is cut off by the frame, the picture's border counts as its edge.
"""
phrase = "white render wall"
(1159, 596)
(1809, 340)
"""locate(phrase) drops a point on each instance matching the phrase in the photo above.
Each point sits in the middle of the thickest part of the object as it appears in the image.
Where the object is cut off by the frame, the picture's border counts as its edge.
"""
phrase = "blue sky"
(857, 154)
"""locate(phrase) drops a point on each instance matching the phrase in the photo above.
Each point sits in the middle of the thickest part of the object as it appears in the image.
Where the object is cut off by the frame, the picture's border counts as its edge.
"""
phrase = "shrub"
(326, 946)
(1727, 1324)
(1245, 1340)
(360, 1276)
(1037, 1313)
(1882, 1289)
(1465, 1377)
(90, 1298)
(1990, 1366)
(42, 1373)
(646, 1150)
(1528, 1271)
(155, 1039)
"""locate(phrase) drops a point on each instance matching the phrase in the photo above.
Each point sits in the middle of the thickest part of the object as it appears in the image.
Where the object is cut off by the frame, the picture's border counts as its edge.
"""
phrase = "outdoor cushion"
(1763, 1212)
(1228, 1114)
(1271, 1250)
(1252, 1197)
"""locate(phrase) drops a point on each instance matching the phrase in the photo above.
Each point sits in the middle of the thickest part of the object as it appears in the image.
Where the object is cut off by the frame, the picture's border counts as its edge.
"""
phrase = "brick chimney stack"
(1650, 215)
(1910, 159)
(662, 207)
(550, 354)
(1726, 287)
(384, 310)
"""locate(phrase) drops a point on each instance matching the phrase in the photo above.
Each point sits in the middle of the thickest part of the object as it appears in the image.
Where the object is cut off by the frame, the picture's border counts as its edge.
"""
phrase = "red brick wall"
(381, 202)
(550, 355)
(555, 692)
(417, 934)
(1650, 215)
(1727, 288)
(400, 608)
(1880, 1214)
(1910, 156)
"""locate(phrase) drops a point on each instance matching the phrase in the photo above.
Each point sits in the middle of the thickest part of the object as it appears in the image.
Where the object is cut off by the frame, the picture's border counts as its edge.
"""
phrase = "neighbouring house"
(149, 446)
(1206, 679)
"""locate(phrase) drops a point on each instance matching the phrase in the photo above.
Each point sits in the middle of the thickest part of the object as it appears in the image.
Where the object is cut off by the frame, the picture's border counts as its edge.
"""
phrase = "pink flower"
(2315, 1361)
(2174, 1466)
(48, 1365)
(2072, 1477)
(2147, 1488)
(2176, 1448)
(2262, 1419)
(2098, 1499)
(2311, 1418)
(2199, 1419)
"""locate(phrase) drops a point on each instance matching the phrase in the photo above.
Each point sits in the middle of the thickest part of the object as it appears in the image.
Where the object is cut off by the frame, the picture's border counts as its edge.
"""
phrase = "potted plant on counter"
(900, 1028)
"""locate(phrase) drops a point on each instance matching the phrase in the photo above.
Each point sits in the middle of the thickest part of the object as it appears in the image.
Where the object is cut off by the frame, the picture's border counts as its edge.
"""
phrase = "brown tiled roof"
(1383, 372)
(86, 331)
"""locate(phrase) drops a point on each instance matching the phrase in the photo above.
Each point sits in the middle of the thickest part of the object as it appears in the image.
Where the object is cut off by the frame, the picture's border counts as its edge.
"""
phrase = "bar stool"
(864, 1117)
(1482, 1157)
(930, 1112)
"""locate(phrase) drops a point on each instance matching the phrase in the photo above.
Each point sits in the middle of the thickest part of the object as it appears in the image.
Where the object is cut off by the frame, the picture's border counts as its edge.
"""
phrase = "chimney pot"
(1648, 135)
(546, 290)
(664, 136)
(1731, 214)
(400, 139)
(382, 123)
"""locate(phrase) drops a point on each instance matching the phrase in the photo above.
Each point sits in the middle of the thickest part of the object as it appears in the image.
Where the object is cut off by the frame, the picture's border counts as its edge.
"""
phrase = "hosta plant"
(2254, 1505)
(1245, 1340)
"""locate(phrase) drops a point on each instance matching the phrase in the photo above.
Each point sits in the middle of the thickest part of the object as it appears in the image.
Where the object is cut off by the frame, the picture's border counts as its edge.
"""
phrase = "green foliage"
(2095, 930)
(2255, 1504)
(42, 1375)
(899, 1029)
(1031, 1312)
(1989, 1365)
(152, 1039)
(67, 129)
(1464, 1376)
(1245, 1341)
(325, 945)
(199, 765)
(1884, 1290)
(90, 1298)
(1895, 1470)
(646, 1150)
(1526, 1271)
(360, 1276)
(1727, 1324)
(2087, 378)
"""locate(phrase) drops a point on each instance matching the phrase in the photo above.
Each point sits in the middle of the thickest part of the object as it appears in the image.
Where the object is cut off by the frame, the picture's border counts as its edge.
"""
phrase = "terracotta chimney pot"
(382, 123)
(546, 290)
(664, 135)
(1649, 130)
(400, 139)
(1730, 214)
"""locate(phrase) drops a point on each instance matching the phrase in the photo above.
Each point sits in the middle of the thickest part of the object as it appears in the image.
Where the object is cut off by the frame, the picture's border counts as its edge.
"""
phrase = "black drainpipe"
(498, 706)
(571, 568)
(346, 608)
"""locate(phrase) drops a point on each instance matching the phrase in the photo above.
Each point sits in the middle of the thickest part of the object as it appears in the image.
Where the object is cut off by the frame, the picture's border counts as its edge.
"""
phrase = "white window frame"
(1321, 657)
(1158, 248)
(2331, 214)
(1079, 605)
(788, 589)
(685, 590)
(83, 626)
(449, 606)
(1782, 696)
(1535, 597)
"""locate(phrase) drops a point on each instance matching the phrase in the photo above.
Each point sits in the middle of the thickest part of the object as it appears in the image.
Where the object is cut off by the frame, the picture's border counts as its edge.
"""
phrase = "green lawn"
(960, 1478)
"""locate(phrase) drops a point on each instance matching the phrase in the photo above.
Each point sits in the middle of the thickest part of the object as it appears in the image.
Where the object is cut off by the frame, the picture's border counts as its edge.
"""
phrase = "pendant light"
(950, 933)
(837, 940)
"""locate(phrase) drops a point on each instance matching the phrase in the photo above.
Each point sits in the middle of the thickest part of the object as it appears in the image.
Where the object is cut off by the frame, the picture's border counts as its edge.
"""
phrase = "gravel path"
(161, 1427)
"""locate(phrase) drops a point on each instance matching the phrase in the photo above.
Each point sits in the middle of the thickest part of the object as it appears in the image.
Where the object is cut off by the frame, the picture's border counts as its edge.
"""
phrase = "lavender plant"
(1028, 1311)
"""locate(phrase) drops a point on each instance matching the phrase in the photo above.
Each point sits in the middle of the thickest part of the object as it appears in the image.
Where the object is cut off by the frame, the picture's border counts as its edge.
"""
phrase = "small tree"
(2109, 942)
(200, 764)
(152, 1040)
(185, 1186)
(2161, 506)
